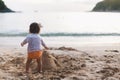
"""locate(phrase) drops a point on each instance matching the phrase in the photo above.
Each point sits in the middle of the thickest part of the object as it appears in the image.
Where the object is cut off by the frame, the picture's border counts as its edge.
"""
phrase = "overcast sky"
(51, 5)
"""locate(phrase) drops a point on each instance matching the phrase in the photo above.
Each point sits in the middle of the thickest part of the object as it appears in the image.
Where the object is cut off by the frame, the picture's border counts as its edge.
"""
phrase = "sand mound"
(64, 48)
(49, 62)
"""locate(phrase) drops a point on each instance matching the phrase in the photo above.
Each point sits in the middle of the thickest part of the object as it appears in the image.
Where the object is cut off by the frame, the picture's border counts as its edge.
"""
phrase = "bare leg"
(39, 64)
(28, 64)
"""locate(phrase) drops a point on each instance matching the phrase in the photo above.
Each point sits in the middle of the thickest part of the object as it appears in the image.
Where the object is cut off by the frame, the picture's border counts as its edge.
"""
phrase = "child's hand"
(22, 44)
(46, 48)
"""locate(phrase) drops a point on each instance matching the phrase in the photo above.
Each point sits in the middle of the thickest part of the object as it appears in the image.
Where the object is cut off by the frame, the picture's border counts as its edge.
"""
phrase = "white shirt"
(34, 42)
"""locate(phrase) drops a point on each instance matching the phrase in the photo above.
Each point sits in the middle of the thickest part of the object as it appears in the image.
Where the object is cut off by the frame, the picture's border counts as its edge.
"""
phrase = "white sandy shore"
(97, 61)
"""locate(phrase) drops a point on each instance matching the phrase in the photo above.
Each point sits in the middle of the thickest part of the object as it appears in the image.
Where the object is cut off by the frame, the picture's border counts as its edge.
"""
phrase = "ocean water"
(63, 27)
(61, 23)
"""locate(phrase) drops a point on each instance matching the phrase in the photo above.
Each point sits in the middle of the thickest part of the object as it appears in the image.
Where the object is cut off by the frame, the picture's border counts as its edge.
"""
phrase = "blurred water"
(61, 22)
(62, 28)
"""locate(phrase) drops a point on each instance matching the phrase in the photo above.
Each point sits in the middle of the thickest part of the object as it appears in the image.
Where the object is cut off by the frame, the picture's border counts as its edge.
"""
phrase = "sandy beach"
(85, 62)
(83, 44)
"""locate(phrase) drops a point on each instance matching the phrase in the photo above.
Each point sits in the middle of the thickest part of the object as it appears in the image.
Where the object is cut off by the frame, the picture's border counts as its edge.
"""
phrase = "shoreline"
(69, 41)
(88, 45)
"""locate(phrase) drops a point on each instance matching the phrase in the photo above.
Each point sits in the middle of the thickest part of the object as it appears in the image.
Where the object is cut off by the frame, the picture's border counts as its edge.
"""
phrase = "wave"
(61, 34)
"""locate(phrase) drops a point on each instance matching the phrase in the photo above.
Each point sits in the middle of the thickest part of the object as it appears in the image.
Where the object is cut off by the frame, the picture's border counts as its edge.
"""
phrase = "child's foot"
(27, 72)
(40, 71)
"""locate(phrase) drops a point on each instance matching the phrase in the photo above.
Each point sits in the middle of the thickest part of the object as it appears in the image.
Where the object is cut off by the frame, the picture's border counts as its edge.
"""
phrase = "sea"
(62, 28)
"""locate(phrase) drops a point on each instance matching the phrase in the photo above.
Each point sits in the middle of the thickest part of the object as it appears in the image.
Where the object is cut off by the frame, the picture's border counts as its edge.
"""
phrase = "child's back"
(34, 42)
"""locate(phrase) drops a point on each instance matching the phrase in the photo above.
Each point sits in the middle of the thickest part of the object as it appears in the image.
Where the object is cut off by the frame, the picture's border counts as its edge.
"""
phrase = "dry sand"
(63, 63)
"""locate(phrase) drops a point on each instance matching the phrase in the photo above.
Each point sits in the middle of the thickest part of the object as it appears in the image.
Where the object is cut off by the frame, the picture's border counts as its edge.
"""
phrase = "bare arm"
(44, 45)
(24, 42)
